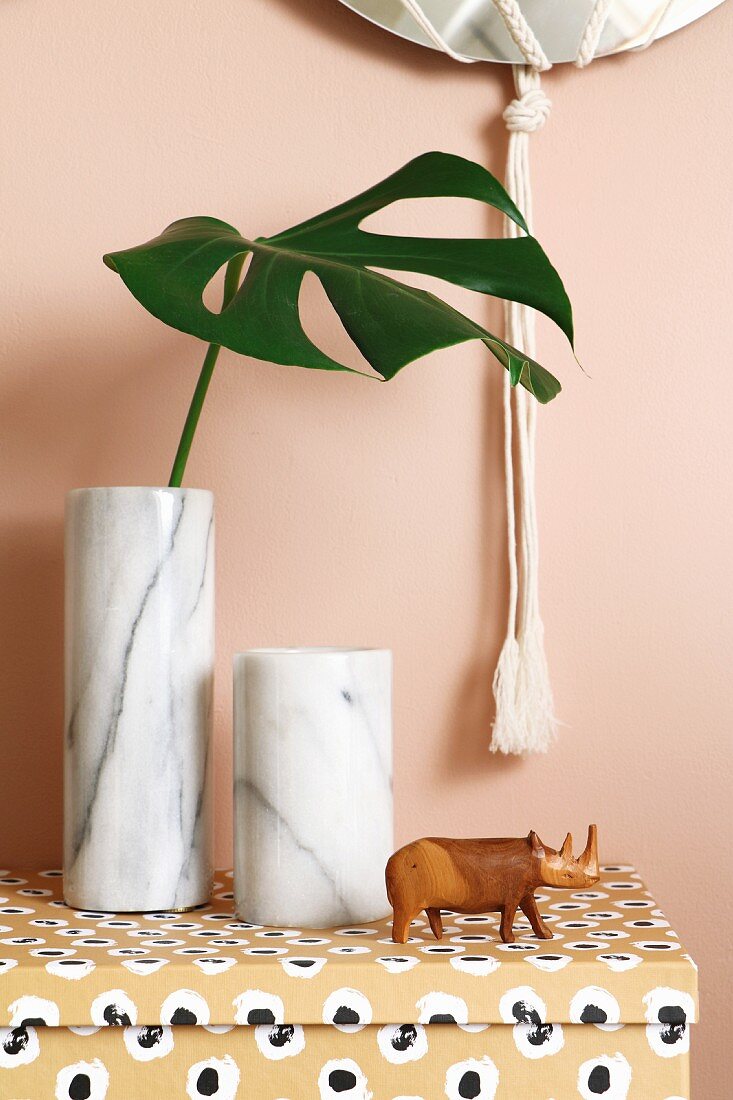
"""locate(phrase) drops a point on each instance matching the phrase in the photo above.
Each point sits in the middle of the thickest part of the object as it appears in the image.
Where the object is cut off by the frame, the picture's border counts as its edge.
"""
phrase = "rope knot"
(528, 113)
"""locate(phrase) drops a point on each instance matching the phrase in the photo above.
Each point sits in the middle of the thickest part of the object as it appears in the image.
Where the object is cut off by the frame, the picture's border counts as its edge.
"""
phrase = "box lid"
(613, 959)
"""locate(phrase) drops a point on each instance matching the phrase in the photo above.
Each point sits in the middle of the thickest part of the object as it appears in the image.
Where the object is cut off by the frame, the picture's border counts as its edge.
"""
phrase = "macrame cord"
(524, 708)
(525, 720)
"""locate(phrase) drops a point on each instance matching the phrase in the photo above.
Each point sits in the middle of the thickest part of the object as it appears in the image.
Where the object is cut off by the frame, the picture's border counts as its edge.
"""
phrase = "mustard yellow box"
(106, 1007)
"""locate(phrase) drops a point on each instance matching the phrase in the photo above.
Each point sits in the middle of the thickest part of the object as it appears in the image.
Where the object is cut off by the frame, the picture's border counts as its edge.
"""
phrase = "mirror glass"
(475, 29)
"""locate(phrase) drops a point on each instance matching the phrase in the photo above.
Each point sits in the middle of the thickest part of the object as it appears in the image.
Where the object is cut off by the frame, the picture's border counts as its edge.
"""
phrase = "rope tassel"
(525, 719)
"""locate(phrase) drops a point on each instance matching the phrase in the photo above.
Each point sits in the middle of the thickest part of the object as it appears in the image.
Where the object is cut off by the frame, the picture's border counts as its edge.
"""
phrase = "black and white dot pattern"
(148, 1043)
(347, 1009)
(594, 1005)
(472, 1079)
(82, 1081)
(400, 1043)
(217, 1077)
(342, 1079)
(669, 1013)
(155, 979)
(254, 1007)
(278, 1041)
(608, 1077)
(442, 1008)
(18, 1046)
(534, 1036)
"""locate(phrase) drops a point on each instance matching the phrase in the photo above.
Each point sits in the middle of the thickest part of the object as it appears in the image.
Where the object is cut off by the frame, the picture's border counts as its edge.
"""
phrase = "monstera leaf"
(391, 324)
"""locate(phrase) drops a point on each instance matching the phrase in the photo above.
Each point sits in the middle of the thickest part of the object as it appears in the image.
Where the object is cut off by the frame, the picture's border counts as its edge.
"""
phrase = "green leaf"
(392, 324)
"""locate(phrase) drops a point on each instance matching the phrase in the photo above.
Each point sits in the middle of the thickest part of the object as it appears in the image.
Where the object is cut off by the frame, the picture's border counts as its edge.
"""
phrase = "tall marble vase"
(312, 785)
(139, 679)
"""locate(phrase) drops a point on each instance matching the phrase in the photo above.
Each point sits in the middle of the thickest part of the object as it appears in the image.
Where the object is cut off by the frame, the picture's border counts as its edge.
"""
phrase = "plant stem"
(231, 285)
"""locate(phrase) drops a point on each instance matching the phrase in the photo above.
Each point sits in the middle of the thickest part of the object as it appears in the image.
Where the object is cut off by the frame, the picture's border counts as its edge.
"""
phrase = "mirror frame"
(631, 24)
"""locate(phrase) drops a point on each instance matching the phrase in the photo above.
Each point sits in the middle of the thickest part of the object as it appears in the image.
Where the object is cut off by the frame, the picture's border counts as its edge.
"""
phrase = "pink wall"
(350, 512)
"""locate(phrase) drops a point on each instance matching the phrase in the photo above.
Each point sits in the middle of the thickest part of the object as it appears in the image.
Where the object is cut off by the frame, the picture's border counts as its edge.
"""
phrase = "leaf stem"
(231, 285)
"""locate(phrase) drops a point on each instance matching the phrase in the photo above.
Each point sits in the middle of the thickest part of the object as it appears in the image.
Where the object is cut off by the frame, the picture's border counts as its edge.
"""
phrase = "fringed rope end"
(507, 724)
(525, 720)
(534, 692)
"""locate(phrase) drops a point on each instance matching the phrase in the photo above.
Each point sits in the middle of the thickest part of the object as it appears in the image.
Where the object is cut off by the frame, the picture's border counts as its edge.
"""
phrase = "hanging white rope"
(432, 32)
(522, 35)
(519, 30)
(525, 39)
(596, 23)
(525, 719)
(592, 33)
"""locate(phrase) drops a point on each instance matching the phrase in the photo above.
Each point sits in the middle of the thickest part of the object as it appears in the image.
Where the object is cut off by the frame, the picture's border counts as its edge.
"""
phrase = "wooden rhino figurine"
(483, 876)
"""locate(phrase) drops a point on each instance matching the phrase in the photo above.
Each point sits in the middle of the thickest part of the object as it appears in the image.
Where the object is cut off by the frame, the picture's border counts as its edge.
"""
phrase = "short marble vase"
(312, 786)
(139, 680)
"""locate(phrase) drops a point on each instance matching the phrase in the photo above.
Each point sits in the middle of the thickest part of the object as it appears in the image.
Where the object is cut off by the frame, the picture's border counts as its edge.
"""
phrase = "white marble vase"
(312, 785)
(139, 679)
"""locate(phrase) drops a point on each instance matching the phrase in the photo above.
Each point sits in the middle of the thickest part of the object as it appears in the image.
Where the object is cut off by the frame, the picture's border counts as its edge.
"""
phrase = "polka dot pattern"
(206, 967)
(199, 1004)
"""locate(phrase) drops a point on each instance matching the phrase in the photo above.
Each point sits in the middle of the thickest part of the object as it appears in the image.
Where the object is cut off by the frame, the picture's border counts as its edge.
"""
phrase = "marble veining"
(312, 785)
(139, 677)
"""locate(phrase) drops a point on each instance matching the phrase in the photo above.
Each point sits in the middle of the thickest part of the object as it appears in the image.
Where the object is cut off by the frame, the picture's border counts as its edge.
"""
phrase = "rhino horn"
(589, 859)
(567, 848)
(536, 845)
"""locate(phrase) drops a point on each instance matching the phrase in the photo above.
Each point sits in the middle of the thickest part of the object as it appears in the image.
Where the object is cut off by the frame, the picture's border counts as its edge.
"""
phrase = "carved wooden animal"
(483, 876)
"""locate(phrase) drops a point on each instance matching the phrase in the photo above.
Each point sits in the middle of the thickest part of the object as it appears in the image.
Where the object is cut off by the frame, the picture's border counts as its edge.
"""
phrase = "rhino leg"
(436, 923)
(508, 913)
(401, 925)
(532, 913)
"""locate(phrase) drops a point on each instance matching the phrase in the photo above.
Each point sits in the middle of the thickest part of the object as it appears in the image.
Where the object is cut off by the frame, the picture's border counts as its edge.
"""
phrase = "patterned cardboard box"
(600, 1011)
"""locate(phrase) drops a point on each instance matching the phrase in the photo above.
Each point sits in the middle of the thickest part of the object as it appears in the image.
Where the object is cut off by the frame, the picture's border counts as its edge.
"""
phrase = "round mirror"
(475, 29)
